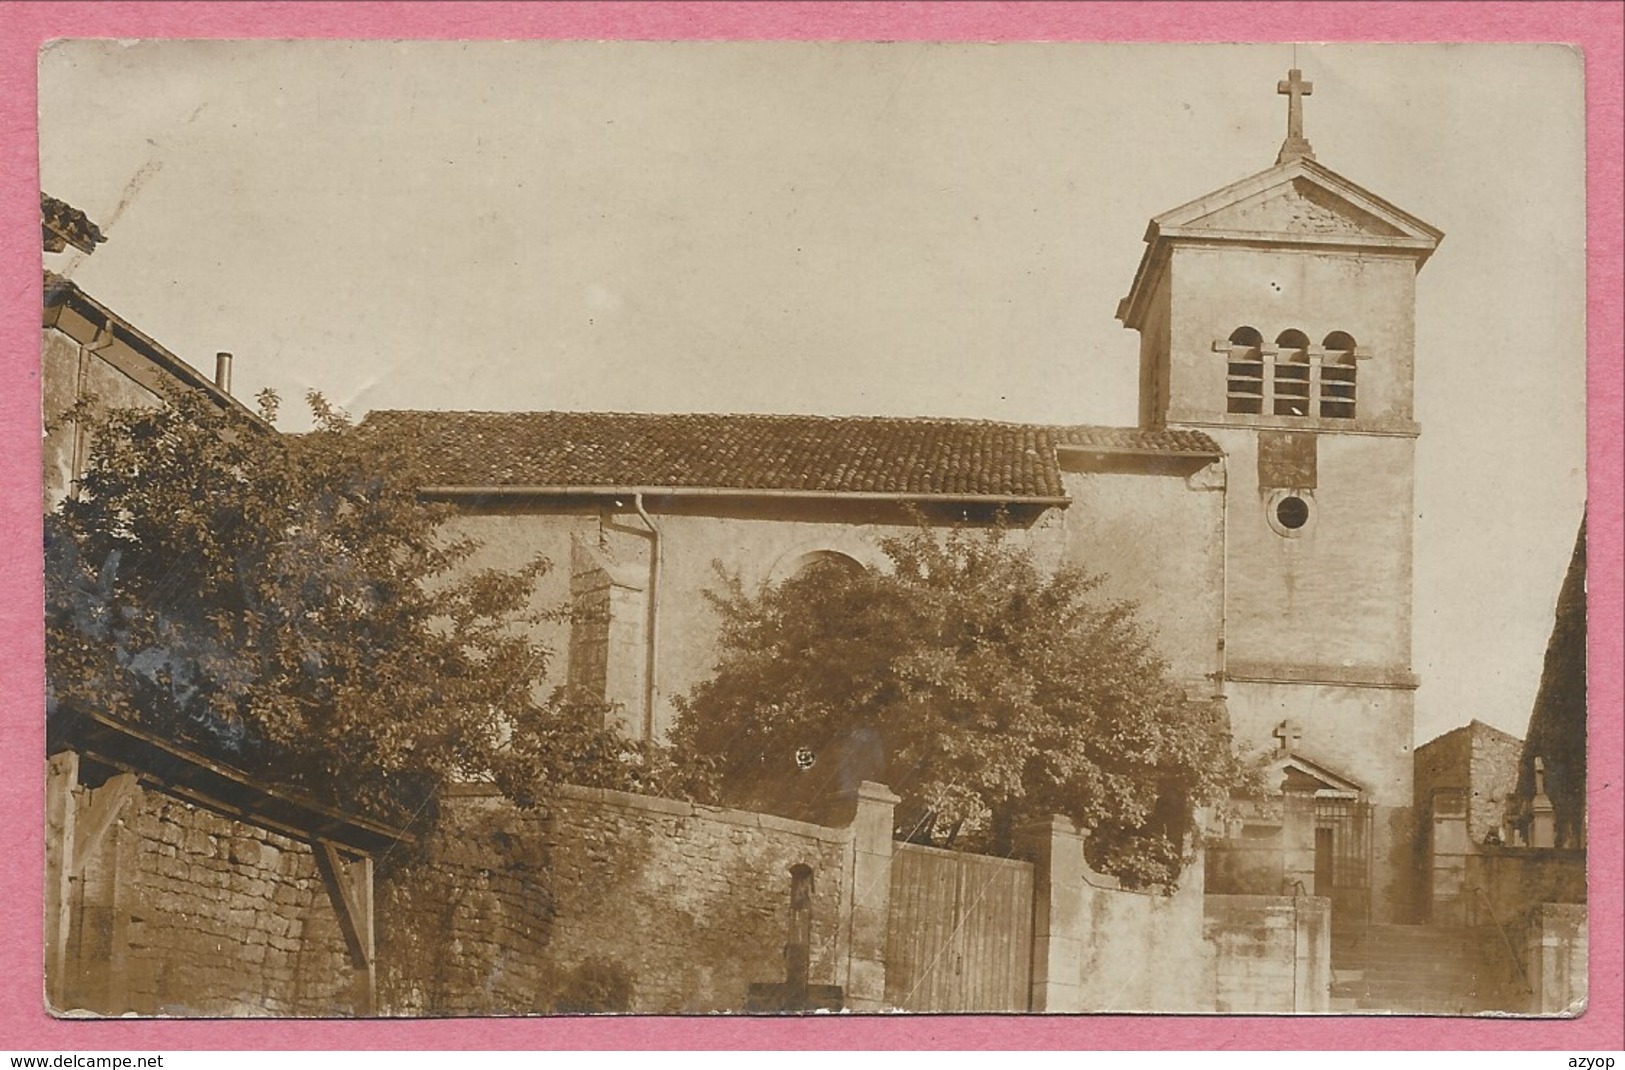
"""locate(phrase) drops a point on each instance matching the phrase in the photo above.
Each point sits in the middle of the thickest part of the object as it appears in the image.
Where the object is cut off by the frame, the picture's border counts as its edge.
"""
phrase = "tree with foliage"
(1557, 725)
(289, 605)
(989, 689)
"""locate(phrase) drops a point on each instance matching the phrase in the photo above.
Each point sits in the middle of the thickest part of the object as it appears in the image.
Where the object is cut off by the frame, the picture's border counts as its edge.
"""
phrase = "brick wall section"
(509, 910)
(181, 911)
(1272, 954)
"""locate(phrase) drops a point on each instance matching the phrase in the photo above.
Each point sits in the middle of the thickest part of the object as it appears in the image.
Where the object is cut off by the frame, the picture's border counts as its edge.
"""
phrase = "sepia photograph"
(780, 528)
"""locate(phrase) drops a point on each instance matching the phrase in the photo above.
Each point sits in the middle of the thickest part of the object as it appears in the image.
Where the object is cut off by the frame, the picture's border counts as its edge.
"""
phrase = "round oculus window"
(1289, 512)
(1292, 512)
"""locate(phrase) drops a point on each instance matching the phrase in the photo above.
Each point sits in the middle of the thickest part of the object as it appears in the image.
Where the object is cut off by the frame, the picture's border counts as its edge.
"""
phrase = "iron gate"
(1343, 857)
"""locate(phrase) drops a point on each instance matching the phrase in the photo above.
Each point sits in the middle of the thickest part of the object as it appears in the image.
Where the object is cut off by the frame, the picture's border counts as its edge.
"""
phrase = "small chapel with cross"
(1259, 512)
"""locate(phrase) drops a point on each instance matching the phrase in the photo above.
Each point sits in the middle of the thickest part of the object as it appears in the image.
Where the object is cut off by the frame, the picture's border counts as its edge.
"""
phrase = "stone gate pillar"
(871, 807)
(1055, 847)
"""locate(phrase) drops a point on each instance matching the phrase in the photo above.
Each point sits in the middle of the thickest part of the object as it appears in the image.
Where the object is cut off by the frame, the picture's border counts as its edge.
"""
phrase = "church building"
(1260, 513)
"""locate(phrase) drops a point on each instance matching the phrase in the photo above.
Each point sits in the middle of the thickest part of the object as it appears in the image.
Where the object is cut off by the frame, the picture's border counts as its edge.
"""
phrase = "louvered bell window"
(1337, 377)
(1246, 389)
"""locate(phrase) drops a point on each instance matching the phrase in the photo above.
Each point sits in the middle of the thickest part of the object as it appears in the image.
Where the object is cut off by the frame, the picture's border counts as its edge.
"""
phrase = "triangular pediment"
(1299, 774)
(1299, 203)
(1295, 200)
(1298, 207)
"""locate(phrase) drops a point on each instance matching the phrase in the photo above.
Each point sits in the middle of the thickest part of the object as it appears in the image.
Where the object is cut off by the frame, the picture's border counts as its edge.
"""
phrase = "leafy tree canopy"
(288, 604)
(987, 689)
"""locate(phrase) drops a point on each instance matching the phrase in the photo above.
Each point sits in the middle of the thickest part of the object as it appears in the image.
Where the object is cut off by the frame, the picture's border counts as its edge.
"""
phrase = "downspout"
(102, 340)
(652, 647)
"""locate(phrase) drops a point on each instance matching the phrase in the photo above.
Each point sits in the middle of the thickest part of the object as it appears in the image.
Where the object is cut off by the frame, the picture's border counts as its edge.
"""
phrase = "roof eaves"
(454, 490)
(1141, 451)
(60, 291)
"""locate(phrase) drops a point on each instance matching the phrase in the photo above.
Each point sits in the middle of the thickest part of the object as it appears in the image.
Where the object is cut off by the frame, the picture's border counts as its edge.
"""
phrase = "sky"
(888, 229)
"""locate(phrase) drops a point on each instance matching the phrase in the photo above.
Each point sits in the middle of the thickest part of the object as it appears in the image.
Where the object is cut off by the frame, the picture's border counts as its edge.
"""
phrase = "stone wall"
(1557, 958)
(1272, 954)
(1250, 864)
(1494, 780)
(692, 902)
(1099, 947)
(598, 901)
(1517, 880)
(463, 920)
(1486, 884)
(604, 901)
(180, 911)
(1144, 950)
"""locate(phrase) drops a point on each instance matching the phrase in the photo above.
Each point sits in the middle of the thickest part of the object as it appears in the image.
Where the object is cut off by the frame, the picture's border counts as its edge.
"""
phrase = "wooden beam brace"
(61, 777)
(349, 886)
(96, 817)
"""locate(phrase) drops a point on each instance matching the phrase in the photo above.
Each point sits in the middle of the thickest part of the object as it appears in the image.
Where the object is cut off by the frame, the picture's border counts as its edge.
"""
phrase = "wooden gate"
(960, 931)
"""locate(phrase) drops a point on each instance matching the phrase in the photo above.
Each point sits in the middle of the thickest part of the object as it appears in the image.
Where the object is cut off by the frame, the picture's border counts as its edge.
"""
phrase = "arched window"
(1246, 390)
(1292, 374)
(1291, 378)
(819, 560)
(1337, 375)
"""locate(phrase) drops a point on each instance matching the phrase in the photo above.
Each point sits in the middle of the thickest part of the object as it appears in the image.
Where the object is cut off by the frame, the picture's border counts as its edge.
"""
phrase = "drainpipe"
(102, 340)
(222, 372)
(653, 644)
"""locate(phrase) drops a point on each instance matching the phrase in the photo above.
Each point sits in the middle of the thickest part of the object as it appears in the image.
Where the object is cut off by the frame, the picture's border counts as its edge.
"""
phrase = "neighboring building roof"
(150, 364)
(840, 455)
(1474, 727)
(63, 225)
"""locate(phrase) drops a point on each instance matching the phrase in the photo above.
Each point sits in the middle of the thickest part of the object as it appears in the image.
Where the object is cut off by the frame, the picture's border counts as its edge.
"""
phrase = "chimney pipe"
(222, 372)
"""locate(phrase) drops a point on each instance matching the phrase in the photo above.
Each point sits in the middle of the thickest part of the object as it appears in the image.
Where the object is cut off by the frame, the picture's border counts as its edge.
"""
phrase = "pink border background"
(1596, 27)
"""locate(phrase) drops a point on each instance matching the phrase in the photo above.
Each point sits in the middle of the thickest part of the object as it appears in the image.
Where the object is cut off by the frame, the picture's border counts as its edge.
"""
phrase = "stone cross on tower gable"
(1288, 732)
(1294, 88)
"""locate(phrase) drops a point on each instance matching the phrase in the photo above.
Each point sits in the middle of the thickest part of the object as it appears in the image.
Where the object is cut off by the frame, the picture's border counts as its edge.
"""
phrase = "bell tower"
(1277, 315)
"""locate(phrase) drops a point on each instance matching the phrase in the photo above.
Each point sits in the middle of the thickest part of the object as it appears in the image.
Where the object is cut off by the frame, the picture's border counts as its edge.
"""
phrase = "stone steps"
(1414, 969)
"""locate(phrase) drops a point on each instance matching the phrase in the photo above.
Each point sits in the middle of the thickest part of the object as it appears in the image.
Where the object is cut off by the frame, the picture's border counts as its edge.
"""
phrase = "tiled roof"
(1137, 440)
(809, 454)
(58, 288)
(62, 225)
